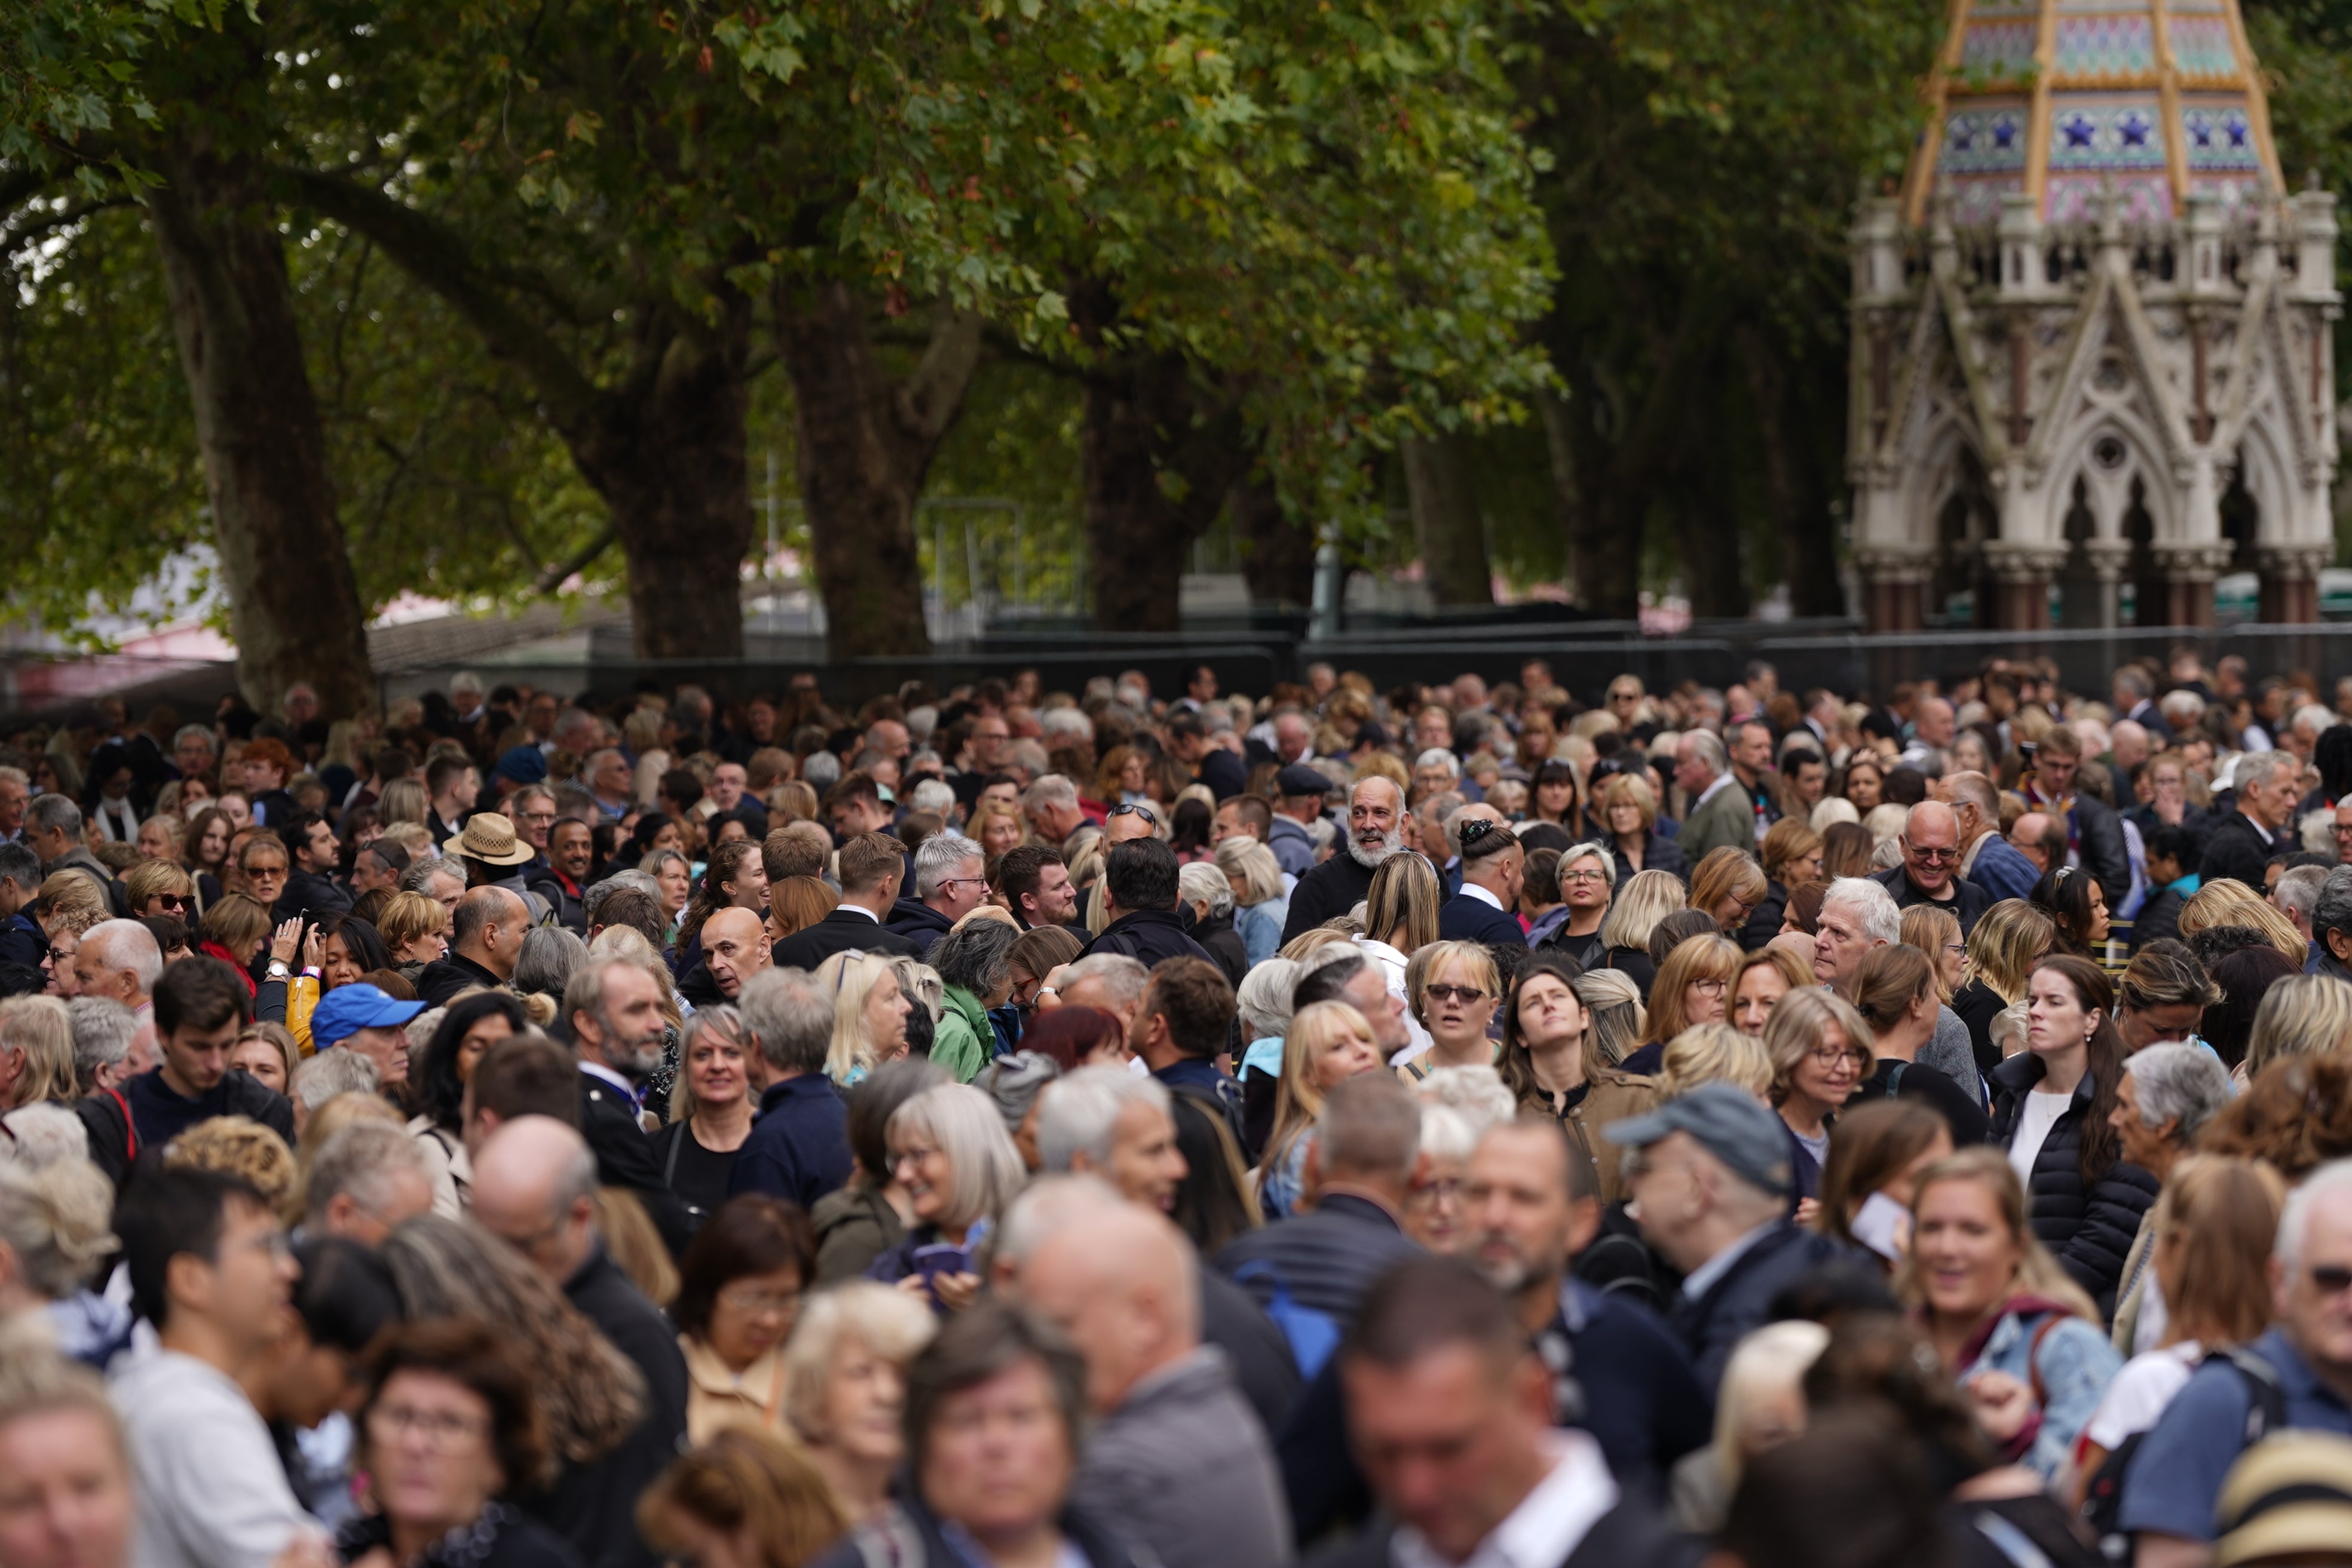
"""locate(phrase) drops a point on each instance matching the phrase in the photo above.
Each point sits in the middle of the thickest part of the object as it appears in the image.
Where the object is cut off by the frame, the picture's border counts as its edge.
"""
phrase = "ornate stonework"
(2091, 335)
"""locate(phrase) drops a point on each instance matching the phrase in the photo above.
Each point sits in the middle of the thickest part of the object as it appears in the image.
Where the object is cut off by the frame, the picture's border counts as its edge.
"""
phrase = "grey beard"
(1370, 859)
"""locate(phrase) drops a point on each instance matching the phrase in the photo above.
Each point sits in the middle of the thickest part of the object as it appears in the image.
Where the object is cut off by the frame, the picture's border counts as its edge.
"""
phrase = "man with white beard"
(1375, 832)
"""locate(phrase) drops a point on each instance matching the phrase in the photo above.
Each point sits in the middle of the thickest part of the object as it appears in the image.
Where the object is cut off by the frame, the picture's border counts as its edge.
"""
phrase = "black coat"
(1148, 936)
(2088, 1227)
(919, 923)
(2159, 919)
(2100, 833)
(1977, 1004)
(1325, 1261)
(1765, 920)
(1220, 942)
(2240, 848)
(1633, 1534)
(594, 1506)
(542, 881)
(1333, 887)
(444, 978)
(1967, 902)
(307, 893)
(1463, 918)
(624, 1158)
(838, 932)
(1661, 854)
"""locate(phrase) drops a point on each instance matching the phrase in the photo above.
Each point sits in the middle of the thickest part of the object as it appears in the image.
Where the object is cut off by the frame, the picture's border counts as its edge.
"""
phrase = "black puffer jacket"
(2088, 1227)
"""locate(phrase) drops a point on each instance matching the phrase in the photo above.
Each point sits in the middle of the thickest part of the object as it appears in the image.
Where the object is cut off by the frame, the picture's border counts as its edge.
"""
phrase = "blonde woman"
(870, 1015)
(1553, 1065)
(2299, 1014)
(1936, 934)
(1645, 899)
(1400, 906)
(1761, 1406)
(1821, 1052)
(1261, 903)
(404, 800)
(845, 1388)
(1614, 1005)
(1716, 1053)
(1792, 853)
(1329, 1043)
(1694, 986)
(1451, 989)
(158, 887)
(996, 827)
(415, 931)
(37, 1052)
(2229, 902)
(1764, 976)
(1729, 884)
(1629, 815)
(2008, 940)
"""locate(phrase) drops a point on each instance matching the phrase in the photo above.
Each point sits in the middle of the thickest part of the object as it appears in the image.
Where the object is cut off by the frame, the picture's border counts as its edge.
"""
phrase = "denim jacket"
(2075, 1363)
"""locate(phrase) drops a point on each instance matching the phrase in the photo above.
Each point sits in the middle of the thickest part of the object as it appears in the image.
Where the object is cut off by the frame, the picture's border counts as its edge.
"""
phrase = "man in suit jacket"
(1453, 1412)
(1493, 865)
(1720, 812)
(613, 1010)
(871, 865)
(2243, 842)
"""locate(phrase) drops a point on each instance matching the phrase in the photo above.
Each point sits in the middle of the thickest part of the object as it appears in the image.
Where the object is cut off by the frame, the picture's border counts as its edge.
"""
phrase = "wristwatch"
(277, 970)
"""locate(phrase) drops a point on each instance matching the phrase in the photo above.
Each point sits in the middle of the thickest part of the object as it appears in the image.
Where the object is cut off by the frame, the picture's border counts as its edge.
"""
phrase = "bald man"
(735, 946)
(1375, 830)
(1931, 872)
(486, 933)
(1176, 1454)
(535, 1187)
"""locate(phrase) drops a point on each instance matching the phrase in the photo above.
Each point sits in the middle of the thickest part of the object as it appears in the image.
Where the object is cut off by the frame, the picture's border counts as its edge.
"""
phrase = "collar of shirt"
(1550, 1522)
(846, 908)
(599, 1070)
(1702, 1279)
(1708, 794)
(1473, 890)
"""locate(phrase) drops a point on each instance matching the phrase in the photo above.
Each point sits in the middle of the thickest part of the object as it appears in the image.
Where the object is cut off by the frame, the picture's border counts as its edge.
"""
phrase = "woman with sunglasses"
(160, 887)
(710, 1106)
(1452, 988)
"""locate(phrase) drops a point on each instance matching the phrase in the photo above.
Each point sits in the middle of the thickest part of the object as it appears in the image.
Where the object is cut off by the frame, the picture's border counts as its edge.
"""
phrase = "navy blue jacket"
(1148, 936)
(22, 940)
(1467, 918)
(1325, 1261)
(799, 1147)
(919, 923)
(1968, 900)
(1742, 1299)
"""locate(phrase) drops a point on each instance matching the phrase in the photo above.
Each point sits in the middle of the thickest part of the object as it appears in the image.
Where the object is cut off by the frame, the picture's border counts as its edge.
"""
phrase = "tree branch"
(555, 576)
(439, 258)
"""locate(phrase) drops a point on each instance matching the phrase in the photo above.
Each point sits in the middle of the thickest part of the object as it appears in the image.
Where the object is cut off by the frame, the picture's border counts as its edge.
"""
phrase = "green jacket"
(1729, 818)
(964, 1041)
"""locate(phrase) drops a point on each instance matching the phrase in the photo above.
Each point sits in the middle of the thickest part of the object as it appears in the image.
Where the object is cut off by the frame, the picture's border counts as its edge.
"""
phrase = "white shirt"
(2140, 1391)
(1709, 792)
(1550, 1522)
(211, 1491)
(859, 909)
(2041, 1112)
(1482, 895)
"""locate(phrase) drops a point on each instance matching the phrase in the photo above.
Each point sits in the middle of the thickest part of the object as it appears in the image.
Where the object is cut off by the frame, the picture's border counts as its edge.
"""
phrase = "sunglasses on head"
(1127, 808)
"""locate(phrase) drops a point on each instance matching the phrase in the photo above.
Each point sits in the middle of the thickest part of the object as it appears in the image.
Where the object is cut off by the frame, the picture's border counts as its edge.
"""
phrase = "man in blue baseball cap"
(362, 1018)
(1710, 1174)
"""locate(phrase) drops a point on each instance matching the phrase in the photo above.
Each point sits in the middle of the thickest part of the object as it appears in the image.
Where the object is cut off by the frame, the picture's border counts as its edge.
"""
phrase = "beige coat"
(716, 1398)
(1613, 1097)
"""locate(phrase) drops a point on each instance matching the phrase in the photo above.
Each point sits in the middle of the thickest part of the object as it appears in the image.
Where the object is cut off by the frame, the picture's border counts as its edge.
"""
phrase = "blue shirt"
(2176, 1477)
(799, 1147)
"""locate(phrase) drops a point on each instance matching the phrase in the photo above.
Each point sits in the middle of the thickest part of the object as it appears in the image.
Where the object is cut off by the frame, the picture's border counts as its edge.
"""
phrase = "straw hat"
(490, 838)
(2288, 1498)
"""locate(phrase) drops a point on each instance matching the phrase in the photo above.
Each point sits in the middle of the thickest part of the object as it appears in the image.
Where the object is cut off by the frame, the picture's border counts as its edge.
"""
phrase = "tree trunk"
(1157, 464)
(1793, 481)
(1277, 554)
(670, 466)
(865, 447)
(1446, 521)
(1705, 515)
(294, 603)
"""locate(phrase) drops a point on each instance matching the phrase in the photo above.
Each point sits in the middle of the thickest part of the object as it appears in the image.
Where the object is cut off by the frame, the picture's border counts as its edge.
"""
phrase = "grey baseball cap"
(1729, 1124)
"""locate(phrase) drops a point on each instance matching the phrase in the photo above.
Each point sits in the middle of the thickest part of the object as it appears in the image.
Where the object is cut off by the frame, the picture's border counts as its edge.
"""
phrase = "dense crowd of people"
(1454, 1127)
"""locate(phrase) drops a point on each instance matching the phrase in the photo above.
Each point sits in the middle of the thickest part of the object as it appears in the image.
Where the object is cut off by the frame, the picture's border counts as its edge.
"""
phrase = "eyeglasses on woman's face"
(1465, 994)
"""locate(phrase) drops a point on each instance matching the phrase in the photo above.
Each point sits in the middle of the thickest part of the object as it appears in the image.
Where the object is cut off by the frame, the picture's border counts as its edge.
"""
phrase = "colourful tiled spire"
(2058, 97)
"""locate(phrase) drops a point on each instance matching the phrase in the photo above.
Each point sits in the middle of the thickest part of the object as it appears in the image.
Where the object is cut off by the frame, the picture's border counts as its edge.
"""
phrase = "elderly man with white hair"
(1373, 832)
(118, 960)
(2241, 844)
(1857, 915)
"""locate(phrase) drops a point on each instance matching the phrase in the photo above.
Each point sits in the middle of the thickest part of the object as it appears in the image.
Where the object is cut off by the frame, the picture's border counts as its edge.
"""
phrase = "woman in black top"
(1895, 992)
(710, 1111)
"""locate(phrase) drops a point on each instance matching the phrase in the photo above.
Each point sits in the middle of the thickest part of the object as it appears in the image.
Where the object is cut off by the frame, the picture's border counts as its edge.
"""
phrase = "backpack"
(1312, 1335)
(2103, 1496)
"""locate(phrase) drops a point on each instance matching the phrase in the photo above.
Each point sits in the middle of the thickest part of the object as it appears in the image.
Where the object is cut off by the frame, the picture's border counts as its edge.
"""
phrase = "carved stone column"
(2022, 574)
(2290, 582)
(1893, 585)
(2189, 571)
(2107, 559)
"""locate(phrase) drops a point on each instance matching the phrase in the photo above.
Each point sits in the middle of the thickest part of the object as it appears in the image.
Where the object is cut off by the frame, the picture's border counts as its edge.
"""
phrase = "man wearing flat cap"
(1298, 801)
(1709, 1175)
